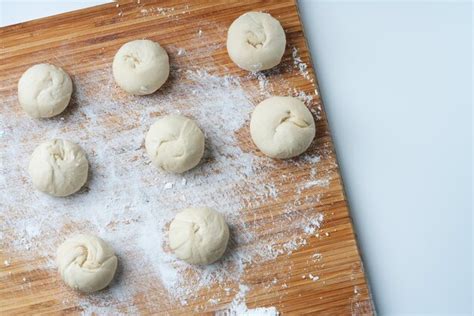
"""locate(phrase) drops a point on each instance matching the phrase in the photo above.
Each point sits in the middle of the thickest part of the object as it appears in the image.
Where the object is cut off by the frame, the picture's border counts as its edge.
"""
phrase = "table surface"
(402, 129)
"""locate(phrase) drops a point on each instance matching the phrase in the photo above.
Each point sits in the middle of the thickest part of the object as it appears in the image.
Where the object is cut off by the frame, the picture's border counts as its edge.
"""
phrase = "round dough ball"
(44, 90)
(199, 235)
(141, 67)
(175, 143)
(86, 263)
(256, 41)
(58, 167)
(282, 127)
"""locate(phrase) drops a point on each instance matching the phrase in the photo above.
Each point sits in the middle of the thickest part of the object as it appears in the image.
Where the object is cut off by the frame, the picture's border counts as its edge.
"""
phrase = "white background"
(396, 80)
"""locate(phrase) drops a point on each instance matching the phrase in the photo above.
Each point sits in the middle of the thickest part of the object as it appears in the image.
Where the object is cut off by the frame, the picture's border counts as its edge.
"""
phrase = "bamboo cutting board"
(301, 256)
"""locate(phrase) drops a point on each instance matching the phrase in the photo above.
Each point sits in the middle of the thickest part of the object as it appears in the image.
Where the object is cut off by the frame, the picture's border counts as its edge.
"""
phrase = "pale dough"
(282, 127)
(141, 67)
(199, 235)
(44, 90)
(86, 263)
(256, 41)
(58, 167)
(175, 143)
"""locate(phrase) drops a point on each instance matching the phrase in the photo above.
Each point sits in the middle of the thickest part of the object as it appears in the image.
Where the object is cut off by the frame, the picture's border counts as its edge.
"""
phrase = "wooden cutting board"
(317, 268)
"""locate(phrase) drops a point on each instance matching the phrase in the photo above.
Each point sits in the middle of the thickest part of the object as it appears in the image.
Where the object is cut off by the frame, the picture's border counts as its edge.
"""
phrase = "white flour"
(169, 12)
(238, 306)
(129, 203)
(300, 65)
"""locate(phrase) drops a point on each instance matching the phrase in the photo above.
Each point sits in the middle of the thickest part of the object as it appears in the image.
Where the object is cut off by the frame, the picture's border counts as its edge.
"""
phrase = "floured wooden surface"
(293, 249)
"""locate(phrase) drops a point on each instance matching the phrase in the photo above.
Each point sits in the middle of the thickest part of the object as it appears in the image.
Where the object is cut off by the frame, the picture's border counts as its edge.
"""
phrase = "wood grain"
(85, 41)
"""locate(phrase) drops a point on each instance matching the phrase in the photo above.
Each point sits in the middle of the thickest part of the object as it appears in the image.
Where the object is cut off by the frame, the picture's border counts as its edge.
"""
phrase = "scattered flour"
(238, 307)
(169, 12)
(300, 65)
(130, 203)
(181, 52)
(158, 10)
(314, 278)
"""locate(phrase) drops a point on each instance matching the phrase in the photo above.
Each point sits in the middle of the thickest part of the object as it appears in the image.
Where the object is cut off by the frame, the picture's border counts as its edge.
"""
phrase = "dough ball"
(86, 263)
(282, 127)
(141, 67)
(198, 235)
(58, 167)
(256, 41)
(44, 90)
(175, 143)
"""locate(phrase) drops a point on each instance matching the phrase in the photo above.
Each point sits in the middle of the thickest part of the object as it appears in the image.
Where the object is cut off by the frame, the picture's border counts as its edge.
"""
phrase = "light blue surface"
(396, 79)
(396, 82)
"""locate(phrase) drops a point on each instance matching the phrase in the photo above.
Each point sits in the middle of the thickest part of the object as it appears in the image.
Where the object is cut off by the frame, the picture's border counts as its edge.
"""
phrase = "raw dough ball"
(256, 41)
(86, 263)
(175, 143)
(199, 235)
(141, 67)
(282, 127)
(58, 167)
(44, 90)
